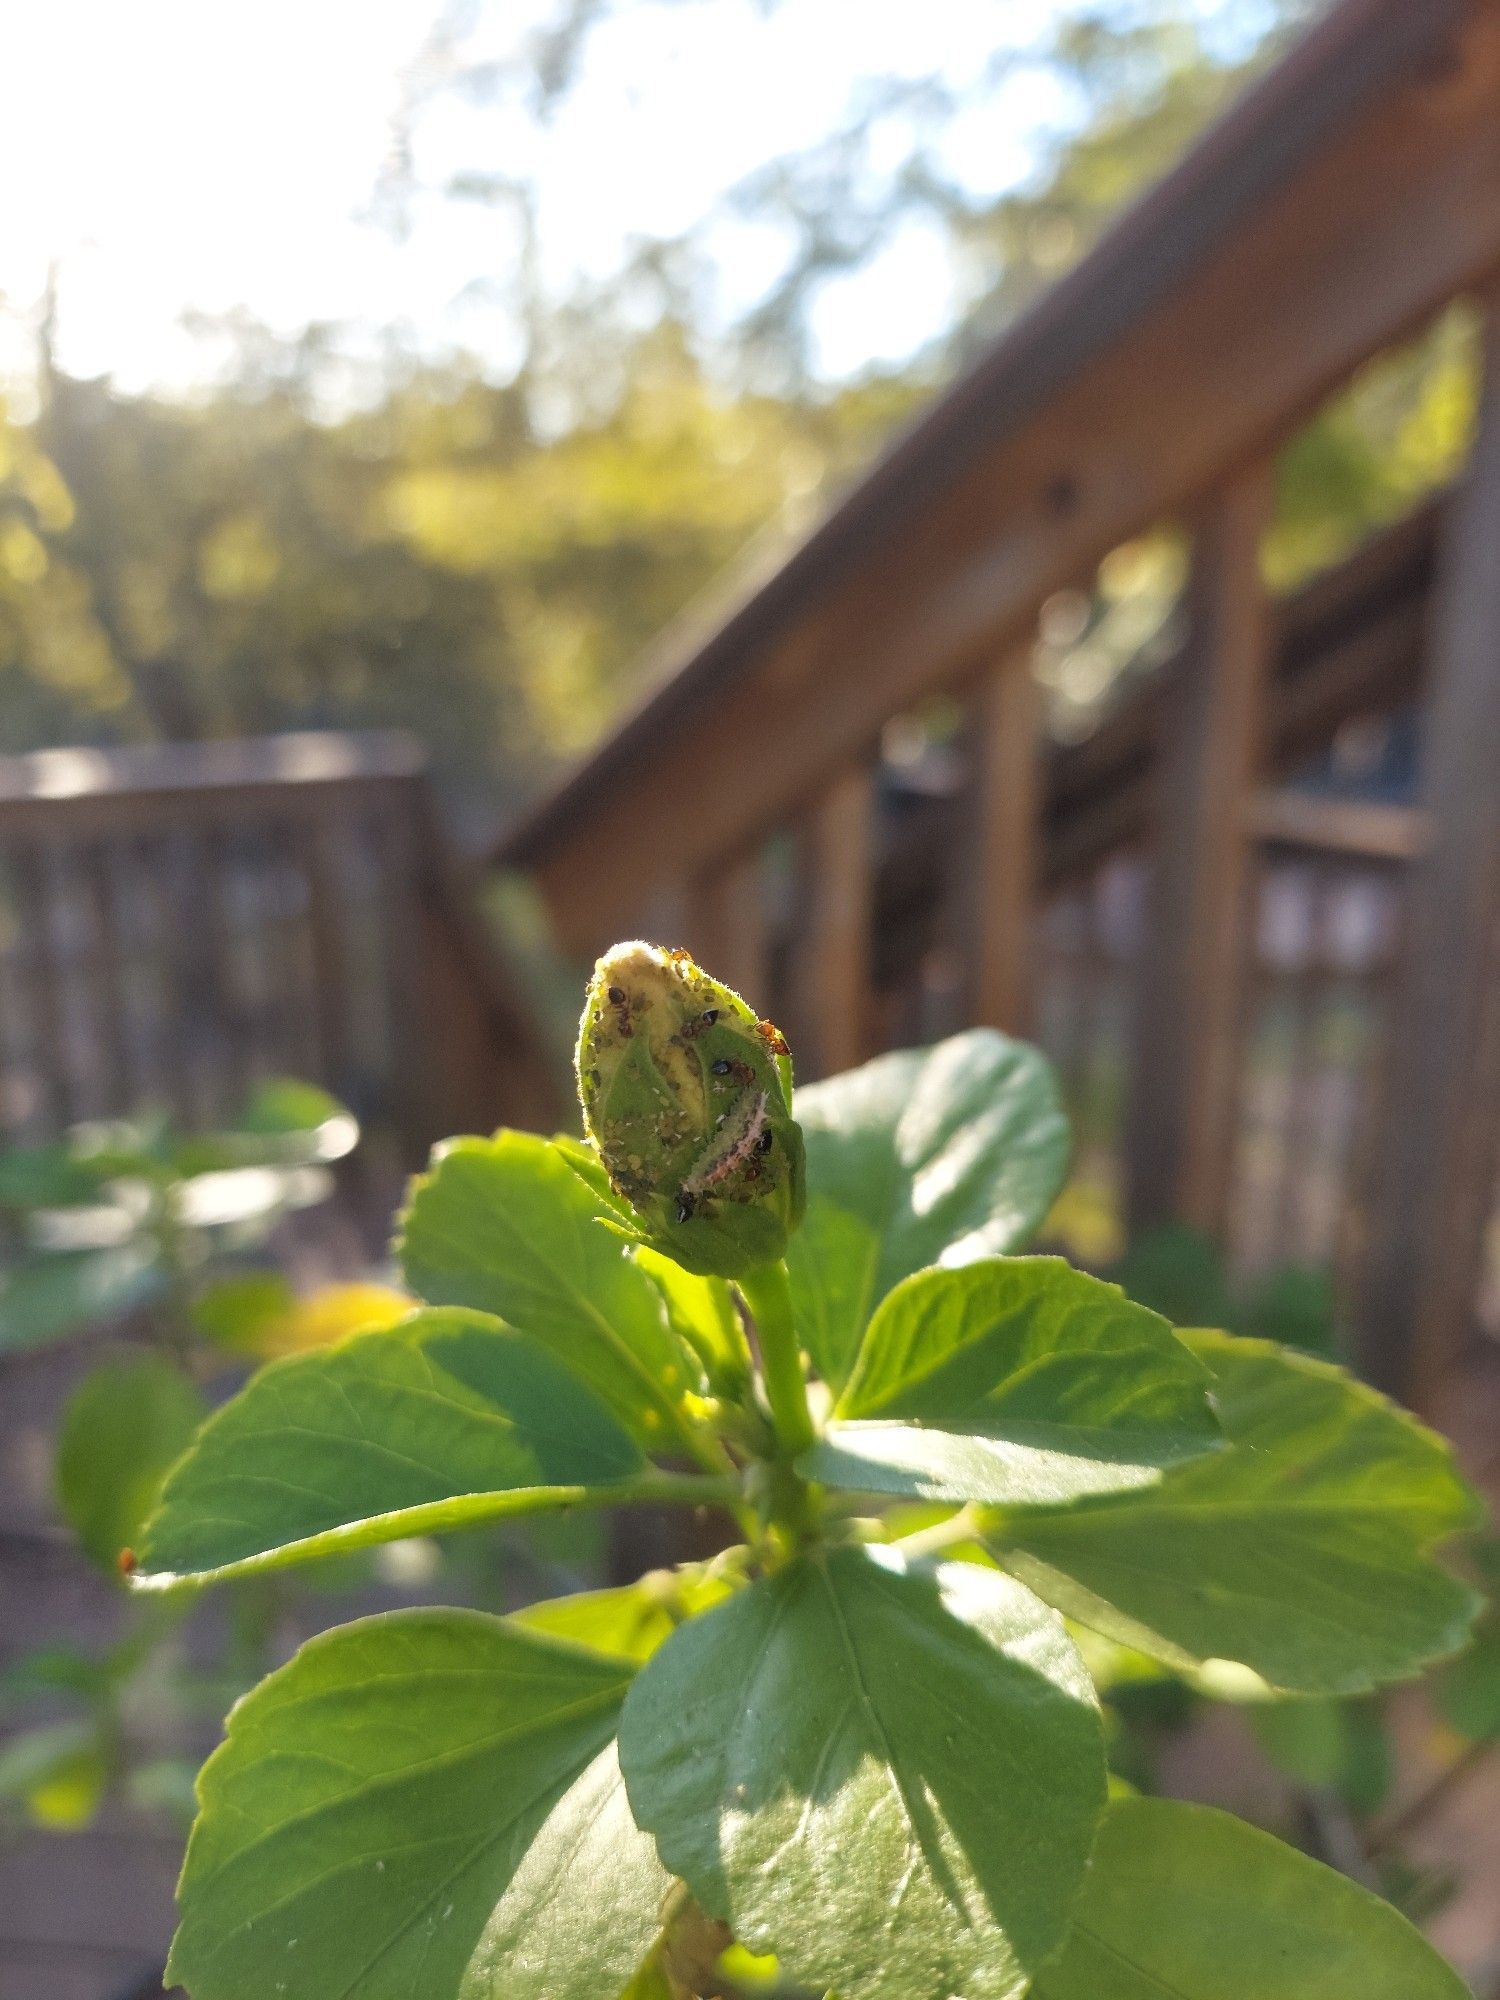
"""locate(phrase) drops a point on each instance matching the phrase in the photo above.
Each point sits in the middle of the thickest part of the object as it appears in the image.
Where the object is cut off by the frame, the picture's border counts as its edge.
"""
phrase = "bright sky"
(221, 154)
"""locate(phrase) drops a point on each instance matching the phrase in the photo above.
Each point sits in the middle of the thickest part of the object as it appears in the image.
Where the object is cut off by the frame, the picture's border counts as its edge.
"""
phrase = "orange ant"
(773, 1038)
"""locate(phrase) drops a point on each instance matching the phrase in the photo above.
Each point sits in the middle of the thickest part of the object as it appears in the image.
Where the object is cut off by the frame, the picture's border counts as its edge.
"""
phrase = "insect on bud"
(687, 1097)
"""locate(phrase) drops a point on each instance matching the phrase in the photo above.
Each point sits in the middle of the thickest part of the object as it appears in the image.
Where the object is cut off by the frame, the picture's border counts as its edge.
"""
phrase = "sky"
(222, 155)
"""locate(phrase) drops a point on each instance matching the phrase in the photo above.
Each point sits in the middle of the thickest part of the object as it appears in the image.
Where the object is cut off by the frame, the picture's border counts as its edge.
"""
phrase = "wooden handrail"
(1298, 238)
(1337, 208)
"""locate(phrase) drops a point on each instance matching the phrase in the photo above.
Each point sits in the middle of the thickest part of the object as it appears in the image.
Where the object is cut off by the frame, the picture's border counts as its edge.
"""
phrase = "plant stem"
(768, 1293)
(1385, 1833)
(967, 1525)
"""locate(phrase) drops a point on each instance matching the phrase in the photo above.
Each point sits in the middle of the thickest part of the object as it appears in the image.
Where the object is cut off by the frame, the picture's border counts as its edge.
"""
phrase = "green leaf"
(123, 1426)
(927, 1156)
(651, 1983)
(48, 1297)
(284, 1123)
(448, 1419)
(890, 1777)
(1179, 1273)
(585, 1906)
(701, 1313)
(1015, 1380)
(631, 1621)
(1186, 1903)
(1328, 1746)
(236, 1311)
(58, 1773)
(506, 1225)
(282, 1105)
(372, 1801)
(1300, 1549)
(47, 1177)
(1468, 1689)
(1295, 1306)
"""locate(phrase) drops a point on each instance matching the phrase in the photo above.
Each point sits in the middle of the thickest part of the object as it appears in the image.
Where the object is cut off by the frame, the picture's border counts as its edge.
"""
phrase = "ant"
(619, 999)
(773, 1038)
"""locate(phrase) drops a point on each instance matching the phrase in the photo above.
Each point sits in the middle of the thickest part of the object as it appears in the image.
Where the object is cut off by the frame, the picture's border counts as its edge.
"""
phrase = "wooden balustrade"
(1347, 199)
(182, 921)
(1185, 1072)
(1434, 1177)
(997, 861)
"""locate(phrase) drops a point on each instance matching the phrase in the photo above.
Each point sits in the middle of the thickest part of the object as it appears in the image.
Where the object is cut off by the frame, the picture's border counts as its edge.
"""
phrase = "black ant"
(619, 999)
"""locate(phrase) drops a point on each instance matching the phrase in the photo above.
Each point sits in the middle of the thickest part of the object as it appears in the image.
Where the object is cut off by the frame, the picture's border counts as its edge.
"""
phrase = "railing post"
(728, 930)
(832, 978)
(997, 869)
(1433, 1174)
(1180, 1125)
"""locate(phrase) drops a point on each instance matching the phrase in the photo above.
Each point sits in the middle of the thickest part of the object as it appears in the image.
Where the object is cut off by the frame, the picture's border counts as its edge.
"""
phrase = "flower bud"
(687, 1097)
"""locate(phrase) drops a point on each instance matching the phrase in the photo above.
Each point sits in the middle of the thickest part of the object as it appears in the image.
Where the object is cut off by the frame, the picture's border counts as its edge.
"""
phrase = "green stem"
(967, 1525)
(437, 1517)
(768, 1293)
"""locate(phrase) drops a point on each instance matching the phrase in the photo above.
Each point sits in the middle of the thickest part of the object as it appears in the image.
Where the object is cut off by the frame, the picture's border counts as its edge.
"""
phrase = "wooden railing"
(743, 810)
(176, 922)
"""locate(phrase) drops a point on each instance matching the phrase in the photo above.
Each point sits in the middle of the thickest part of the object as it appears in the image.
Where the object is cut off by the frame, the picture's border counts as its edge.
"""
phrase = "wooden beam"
(832, 1012)
(997, 864)
(1030, 472)
(1434, 1169)
(1362, 828)
(1184, 1075)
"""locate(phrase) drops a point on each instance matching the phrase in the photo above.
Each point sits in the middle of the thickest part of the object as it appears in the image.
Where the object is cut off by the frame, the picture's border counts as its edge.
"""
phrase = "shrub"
(861, 1741)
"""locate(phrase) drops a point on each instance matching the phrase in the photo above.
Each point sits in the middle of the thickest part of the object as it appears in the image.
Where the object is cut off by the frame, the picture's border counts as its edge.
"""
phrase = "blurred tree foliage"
(181, 570)
(486, 560)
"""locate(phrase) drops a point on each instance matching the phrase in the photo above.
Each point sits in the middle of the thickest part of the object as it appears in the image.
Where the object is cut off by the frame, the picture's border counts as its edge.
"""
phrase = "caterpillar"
(739, 1136)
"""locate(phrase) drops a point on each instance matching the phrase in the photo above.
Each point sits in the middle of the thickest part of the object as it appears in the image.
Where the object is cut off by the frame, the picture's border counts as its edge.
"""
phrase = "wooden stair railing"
(180, 920)
(1343, 203)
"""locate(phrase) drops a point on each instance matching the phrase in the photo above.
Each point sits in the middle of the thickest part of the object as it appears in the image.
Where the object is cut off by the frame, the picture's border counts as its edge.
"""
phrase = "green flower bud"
(687, 1097)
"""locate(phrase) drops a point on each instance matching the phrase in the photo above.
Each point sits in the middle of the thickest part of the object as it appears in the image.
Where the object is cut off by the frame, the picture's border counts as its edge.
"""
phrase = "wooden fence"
(175, 923)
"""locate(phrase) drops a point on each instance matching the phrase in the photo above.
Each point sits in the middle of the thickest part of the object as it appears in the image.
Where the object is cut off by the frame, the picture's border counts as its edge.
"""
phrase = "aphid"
(722, 1067)
(617, 996)
(686, 1203)
(766, 1140)
(690, 1029)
